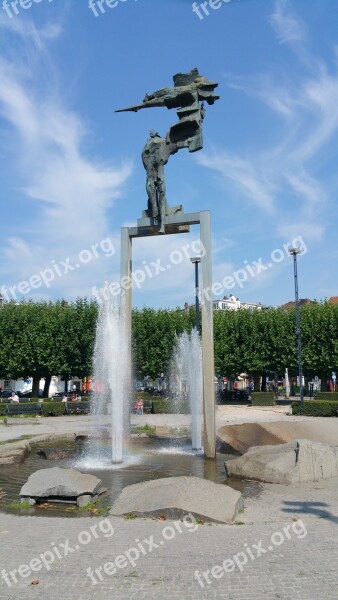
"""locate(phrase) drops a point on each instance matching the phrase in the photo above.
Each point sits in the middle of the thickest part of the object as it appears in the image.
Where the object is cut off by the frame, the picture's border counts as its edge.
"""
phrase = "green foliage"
(54, 409)
(41, 339)
(44, 339)
(265, 341)
(330, 396)
(3, 408)
(153, 338)
(148, 429)
(316, 408)
(262, 399)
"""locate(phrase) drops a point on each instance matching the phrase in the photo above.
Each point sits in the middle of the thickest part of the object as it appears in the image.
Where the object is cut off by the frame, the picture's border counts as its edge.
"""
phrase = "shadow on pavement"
(314, 508)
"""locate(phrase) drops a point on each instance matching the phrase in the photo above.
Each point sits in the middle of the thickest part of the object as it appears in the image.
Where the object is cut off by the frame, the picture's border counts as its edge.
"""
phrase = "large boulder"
(175, 497)
(270, 433)
(61, 484)
(14, 453)
(295, 462)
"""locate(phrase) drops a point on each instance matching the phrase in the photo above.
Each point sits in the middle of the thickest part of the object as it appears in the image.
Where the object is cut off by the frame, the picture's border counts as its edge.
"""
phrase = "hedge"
(316, 408)
(330, 396)
(52, 409)
(263, 399)
(3, 408)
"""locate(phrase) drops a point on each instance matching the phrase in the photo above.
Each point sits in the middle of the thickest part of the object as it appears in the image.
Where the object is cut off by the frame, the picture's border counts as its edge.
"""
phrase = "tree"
(153, 338)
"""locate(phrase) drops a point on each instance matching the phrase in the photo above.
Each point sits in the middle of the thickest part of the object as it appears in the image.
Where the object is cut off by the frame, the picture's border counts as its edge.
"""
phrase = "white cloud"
(288, 27)
(244, 174)
(284, 176)
(311, 232)
(71, 190)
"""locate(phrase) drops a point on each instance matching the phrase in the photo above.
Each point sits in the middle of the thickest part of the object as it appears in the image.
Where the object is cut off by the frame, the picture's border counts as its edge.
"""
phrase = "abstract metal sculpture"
(188, 95)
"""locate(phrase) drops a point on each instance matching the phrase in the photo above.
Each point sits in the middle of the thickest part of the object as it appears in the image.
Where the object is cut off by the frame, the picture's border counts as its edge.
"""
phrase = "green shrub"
(330, 396)
(52, 409)
(316, 408)
(262, 399)
(3, 408)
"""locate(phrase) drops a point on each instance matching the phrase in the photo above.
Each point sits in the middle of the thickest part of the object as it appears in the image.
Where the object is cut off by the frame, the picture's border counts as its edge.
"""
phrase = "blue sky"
(71, 173)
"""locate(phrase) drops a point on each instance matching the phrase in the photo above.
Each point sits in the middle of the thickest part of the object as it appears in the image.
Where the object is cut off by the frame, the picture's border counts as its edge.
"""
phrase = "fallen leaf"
(162, 518)
(35, 582)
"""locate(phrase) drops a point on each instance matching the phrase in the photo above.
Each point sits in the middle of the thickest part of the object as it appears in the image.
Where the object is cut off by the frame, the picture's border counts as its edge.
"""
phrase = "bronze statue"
(188, 95)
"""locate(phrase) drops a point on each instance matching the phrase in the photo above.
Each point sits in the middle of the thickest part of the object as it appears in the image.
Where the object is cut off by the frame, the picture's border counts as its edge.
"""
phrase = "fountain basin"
(145, 459)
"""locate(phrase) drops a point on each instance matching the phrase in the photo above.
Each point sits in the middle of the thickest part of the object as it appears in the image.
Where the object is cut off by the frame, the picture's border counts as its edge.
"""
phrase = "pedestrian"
(139, 406)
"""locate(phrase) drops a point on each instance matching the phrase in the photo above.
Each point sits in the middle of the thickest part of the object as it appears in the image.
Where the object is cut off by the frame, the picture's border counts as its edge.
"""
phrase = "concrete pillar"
(126, 306)
(208, 339)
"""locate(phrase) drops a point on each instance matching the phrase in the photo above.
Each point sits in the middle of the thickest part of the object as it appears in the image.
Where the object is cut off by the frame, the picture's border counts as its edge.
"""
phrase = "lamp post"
(1, 300)
(196, 262)
(294, 252)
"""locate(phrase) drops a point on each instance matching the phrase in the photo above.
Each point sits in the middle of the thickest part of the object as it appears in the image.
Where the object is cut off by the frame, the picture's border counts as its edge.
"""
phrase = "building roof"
(292, 304)
(334, 299)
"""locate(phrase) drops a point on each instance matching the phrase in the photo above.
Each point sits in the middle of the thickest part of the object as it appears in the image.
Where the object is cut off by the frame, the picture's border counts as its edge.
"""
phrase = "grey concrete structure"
(180, 223)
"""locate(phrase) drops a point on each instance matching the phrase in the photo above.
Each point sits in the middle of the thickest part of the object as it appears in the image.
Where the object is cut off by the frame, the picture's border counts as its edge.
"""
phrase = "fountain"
(187, 372)
(111, 370)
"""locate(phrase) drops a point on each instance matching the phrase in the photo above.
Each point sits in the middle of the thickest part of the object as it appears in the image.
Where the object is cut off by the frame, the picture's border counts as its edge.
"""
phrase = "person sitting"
(14, 397)
(139, 406)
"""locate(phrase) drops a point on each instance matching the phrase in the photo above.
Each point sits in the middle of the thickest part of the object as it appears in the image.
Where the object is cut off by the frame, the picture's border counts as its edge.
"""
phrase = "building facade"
(233, 303)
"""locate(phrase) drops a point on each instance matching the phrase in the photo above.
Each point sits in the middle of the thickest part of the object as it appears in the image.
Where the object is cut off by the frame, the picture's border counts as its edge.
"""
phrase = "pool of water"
(144, 459)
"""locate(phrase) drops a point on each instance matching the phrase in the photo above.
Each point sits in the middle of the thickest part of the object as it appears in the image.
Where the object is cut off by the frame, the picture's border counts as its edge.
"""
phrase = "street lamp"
(294, 252)
(196, 262)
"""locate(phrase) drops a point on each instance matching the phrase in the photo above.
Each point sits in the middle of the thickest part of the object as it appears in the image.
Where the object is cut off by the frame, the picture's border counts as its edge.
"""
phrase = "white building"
(25, 385)
(233, 303)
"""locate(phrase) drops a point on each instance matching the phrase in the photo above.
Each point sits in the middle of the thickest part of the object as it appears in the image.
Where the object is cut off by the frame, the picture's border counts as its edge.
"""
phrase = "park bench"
(148, 407)
(21, 409)
(77, 407)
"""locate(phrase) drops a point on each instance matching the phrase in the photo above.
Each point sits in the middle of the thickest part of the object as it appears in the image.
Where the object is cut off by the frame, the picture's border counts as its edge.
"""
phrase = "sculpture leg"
(152, 197)
(162, 200)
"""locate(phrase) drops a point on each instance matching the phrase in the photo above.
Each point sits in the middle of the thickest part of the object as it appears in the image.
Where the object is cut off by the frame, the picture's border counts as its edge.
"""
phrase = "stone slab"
(14, 453)
(296, 462)
(175, 497)
(247, 435)
(61, 483)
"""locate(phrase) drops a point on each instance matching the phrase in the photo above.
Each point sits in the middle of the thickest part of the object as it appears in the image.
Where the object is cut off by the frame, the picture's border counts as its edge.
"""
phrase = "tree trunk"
(48, 380)
(257, 383)
(323, 386)
(35, 386)
(264, 382)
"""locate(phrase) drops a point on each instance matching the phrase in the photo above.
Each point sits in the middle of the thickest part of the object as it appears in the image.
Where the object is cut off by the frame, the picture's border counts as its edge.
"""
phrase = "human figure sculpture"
(188, 95)
(155, 155)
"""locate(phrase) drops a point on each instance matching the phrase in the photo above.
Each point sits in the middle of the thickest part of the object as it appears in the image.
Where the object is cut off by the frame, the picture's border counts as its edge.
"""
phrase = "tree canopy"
(41, 339)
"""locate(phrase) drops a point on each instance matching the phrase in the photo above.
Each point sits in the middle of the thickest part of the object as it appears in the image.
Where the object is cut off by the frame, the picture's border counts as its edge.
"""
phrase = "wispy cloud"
(288, 27)
(287, 170)
(71, 190)
(244, 174)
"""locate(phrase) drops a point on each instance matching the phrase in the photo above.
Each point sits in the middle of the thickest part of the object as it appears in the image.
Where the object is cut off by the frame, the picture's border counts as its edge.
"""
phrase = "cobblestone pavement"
(297, 567)
(295, 563)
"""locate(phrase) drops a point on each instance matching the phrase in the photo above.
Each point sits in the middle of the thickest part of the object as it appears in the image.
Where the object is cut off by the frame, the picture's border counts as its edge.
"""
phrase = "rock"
(61, 484)
(52, 453)
(175, 497)
(14, 453)
(80, 439)
(295, 462)
(270, 433)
